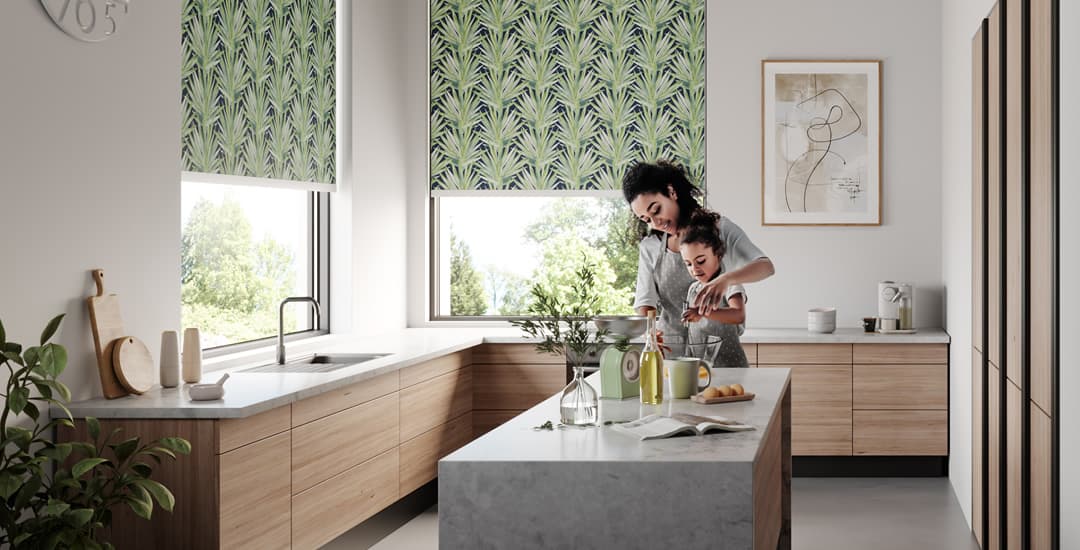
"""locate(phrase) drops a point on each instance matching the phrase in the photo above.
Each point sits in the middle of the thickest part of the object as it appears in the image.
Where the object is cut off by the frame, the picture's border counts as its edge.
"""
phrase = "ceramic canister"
(169, 366)
(192, 356)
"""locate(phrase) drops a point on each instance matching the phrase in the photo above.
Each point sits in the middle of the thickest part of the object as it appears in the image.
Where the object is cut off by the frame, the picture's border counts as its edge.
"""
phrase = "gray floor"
(827, 513)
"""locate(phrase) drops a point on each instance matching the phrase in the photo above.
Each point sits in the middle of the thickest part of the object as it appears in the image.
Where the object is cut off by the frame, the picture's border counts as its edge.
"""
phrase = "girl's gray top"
(730, 354)
(663, 280)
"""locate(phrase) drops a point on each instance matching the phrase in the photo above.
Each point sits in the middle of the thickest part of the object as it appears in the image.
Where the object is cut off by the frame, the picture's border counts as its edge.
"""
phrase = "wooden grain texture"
(410, 376)
(236, 432)
(193, 479)
(978, 379)
(900, 433)
(330, 445)
(1015, 286)
(751, 353)
(435, 401)
(900, 387)
(1041, 463)
(516, 386)
(1014, 452)
(821, 409)
(993, 193)
(905, 354)
(994, 447)
(785, 469)
(106, 325)
(807, 354)
(978, 275)
(255, 497)
(485, 421)
(1042, 219)
(501, 354)
(334, 506)
(133, 365)
(420, 455)
(768, 485)
(314, 408)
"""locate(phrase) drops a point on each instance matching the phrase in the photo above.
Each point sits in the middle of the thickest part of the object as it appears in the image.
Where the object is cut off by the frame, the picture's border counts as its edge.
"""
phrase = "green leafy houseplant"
(70, 507)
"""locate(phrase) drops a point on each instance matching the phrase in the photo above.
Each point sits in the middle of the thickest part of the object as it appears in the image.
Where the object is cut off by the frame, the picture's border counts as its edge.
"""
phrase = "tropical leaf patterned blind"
(258, 88)
(563, 94)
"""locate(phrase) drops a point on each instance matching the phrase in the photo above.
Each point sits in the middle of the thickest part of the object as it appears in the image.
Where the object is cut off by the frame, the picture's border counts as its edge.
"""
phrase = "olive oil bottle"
(652, 365)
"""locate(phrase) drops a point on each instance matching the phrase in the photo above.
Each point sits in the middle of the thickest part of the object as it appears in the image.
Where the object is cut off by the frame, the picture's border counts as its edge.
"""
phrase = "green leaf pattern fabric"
(258, 88)
(563, 94)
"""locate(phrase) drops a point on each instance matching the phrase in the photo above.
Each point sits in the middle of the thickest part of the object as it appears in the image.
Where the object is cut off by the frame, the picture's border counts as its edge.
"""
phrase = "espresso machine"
(896, 301)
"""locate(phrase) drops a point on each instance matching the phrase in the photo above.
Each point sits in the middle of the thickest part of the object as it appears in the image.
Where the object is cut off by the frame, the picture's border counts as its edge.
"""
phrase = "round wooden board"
(133, 364)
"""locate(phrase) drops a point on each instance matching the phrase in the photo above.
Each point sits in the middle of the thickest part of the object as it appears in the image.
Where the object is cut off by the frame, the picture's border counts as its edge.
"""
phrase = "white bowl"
(821, 319)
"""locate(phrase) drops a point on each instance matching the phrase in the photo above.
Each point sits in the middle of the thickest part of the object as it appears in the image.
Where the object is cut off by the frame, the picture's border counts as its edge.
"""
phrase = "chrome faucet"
(281, 322)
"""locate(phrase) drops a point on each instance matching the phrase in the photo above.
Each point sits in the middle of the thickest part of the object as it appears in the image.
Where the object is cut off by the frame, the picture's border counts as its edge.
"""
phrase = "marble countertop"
(247, 393)
(517, 441)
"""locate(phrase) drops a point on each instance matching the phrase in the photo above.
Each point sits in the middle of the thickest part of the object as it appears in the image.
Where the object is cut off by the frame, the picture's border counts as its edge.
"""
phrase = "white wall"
(90, 150)
(959, 22)
(1069, 301)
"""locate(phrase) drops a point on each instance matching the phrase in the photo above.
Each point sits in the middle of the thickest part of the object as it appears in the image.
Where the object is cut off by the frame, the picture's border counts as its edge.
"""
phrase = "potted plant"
(72, 506)
(563, 329)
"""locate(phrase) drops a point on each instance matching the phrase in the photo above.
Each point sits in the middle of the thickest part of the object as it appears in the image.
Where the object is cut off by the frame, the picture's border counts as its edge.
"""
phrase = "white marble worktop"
(251, 393)
(517, 441)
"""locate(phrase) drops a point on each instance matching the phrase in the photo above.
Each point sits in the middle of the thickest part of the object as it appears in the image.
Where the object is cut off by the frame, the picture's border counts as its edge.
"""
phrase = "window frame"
(318, 252)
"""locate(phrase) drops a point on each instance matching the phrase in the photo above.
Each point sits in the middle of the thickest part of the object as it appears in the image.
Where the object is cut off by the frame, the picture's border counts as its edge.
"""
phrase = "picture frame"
(821, 142)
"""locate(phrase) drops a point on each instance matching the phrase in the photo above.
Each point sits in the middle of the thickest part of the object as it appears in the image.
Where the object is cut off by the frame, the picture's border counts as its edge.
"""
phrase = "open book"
(657, 426)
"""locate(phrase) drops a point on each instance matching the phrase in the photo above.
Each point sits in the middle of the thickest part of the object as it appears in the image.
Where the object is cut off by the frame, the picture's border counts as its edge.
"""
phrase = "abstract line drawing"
(821, 143)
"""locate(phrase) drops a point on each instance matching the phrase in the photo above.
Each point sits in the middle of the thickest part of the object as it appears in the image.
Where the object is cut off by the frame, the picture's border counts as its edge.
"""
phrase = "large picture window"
(492, 249)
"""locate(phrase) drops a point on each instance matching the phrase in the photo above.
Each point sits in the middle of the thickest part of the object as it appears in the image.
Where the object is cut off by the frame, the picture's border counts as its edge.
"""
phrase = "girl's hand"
(691, 315)
(712, 294)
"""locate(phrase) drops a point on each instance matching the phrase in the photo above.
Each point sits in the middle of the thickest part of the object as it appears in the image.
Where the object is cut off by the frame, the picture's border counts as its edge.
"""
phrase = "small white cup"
(169, 367)
(821, 319)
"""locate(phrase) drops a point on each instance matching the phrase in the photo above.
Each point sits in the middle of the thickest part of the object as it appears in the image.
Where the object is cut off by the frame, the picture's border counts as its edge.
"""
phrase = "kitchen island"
(517, 487)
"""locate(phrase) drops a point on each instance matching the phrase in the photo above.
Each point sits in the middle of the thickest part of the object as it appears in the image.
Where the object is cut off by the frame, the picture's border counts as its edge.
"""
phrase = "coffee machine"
(896, 301)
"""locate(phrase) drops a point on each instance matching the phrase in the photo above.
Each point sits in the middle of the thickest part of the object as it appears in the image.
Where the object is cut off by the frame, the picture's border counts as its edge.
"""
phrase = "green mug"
(683, 376)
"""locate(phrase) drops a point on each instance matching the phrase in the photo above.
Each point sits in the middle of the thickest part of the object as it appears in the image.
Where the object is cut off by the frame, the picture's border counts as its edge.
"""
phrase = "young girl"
(702, 249)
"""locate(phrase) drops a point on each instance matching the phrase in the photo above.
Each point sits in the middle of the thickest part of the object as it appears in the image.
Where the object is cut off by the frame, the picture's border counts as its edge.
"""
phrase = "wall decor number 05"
(821, 142)
(88, 20)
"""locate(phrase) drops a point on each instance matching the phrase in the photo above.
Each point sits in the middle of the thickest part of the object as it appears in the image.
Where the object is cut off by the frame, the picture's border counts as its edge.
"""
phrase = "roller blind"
(258, 89)
(563, 94)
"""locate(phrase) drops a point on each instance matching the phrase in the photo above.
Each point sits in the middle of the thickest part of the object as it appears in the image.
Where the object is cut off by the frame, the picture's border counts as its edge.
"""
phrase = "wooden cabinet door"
(820, 409)
(434, 402)
(420, 455)
(254, 484)
(900, 387)
(901, 433)
(516, 386)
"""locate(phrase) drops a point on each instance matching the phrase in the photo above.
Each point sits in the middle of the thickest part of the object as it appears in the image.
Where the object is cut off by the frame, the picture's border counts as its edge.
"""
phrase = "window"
(243, 250)
(491, 249)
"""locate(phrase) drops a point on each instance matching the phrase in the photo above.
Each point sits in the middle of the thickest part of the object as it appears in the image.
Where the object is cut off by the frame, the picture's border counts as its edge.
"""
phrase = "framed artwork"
(821, 142)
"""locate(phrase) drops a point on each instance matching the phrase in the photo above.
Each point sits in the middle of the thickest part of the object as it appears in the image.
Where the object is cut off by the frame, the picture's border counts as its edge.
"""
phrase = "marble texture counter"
(600, 488)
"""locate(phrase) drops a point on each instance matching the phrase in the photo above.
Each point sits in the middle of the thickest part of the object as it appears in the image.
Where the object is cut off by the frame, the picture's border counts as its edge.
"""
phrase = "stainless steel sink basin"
(318, 363)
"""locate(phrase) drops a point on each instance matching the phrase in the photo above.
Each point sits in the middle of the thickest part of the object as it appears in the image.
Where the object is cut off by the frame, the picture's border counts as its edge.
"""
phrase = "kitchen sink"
(318, 363)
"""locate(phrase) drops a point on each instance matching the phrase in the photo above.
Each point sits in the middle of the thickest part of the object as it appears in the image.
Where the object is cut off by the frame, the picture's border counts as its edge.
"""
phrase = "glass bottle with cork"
(652, 364)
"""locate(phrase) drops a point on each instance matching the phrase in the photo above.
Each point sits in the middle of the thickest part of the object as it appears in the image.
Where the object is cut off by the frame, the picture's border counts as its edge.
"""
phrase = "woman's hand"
(711, 296)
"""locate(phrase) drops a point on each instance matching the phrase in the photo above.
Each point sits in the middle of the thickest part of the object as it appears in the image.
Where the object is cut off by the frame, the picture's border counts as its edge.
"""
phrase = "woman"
(662, 197)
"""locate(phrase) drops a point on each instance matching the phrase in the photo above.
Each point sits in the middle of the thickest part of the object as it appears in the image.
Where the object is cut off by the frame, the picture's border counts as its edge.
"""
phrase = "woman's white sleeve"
(645, 293)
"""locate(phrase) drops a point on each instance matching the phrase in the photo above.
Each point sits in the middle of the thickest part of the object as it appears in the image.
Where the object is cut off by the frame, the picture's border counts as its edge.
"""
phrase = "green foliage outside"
(231, 283)
(467, 295)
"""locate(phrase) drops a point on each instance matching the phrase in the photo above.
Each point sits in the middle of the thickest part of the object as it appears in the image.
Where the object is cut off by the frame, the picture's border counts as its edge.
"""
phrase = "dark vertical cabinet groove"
(1015, 284)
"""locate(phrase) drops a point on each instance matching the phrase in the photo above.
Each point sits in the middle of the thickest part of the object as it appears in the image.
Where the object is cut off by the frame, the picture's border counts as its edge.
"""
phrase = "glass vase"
(579, 405)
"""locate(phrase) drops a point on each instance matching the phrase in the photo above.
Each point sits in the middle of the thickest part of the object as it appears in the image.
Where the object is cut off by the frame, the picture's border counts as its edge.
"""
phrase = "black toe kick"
(869, 466)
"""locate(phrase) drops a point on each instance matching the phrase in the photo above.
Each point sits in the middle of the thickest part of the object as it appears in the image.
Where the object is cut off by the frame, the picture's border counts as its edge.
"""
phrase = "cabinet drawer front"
(810, 354)
(901, 387)
(427, 370)
(254, 487)
(485, 421)
(338, 504)
(906, 354)
(898, 433)
(751, 353)
(501, 354)
(516, 387)
(314, 408)
(434, 402)
(420, 455)
(331, 445)
(820, 409)
(237, 432)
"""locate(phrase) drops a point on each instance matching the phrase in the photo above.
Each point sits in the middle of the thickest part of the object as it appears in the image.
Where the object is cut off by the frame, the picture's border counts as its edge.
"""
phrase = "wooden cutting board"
(108, 328)
(133, 364)
(730, 399)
